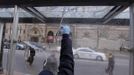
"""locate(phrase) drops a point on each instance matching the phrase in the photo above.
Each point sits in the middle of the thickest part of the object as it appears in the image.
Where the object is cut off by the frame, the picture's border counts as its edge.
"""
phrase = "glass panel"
(101, 39)
(8, 12)
(76, 11)
(124, 14)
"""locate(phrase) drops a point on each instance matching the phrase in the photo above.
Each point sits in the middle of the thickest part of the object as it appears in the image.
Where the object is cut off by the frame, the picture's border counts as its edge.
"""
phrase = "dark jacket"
(32, 52)
(111, 62)
(66, 66)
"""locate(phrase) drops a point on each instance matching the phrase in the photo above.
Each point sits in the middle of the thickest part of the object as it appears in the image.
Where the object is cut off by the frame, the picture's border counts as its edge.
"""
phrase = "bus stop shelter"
(32, 10)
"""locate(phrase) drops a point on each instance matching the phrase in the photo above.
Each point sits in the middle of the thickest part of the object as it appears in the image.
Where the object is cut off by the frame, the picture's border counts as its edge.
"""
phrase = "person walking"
(111, 63)
(31, 57)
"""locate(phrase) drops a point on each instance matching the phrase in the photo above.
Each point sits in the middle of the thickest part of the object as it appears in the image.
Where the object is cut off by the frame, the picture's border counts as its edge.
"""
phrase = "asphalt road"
(82, 66)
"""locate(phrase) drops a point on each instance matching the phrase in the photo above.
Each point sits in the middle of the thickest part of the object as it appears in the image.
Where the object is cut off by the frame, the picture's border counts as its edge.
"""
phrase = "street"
(87, 67)
(82, 66)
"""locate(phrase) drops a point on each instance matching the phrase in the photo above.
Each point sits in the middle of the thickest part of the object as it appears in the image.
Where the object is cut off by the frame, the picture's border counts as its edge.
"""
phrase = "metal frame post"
(13, 42)
(2, 33)
(131, 65)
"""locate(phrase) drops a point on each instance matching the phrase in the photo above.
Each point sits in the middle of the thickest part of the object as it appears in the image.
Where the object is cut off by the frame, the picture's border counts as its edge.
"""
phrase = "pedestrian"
(31, 57)
(111, 63)
(66, 63)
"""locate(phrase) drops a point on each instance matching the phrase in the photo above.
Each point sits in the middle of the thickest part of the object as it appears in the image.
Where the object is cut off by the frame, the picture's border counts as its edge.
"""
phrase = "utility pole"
(11, 53)
(131, 65)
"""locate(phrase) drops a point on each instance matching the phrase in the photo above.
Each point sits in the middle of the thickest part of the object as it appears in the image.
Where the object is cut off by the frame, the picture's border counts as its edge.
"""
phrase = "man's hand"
(65, 29)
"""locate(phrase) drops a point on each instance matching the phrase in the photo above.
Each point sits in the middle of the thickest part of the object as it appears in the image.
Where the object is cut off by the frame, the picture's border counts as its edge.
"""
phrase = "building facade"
(83, 35)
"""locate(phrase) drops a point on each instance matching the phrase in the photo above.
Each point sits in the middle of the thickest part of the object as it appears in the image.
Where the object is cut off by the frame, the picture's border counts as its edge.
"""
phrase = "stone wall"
(107, 37)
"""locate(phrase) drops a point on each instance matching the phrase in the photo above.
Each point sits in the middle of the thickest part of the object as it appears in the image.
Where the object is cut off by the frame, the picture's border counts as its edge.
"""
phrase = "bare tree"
(98, 36)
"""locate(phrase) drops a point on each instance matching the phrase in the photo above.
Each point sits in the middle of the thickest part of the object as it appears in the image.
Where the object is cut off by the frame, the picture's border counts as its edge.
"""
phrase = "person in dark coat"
(111, 64)
(32, 52)
(31, 57)
(66, 65)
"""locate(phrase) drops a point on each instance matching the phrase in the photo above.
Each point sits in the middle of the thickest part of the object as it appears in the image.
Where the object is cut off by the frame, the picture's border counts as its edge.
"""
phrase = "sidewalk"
(15, 73)
(121, 55)
(117, 54)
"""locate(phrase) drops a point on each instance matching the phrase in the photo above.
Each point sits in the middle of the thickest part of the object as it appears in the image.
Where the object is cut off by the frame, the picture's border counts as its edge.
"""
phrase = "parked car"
(88, 53)
(39, 45)
(35, 46)
(6, 45)
(20, 46)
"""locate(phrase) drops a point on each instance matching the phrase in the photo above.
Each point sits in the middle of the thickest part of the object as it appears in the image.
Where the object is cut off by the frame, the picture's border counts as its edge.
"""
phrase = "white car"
(88, 53)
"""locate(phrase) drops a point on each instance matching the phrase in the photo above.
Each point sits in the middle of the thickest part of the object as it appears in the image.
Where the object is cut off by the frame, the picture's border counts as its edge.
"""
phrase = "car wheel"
(76, 56)
(19, 48)
(99, 58)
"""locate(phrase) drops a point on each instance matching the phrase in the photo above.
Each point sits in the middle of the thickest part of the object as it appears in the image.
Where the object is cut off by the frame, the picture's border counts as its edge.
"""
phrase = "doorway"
(34, 39)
